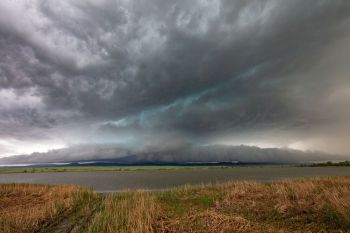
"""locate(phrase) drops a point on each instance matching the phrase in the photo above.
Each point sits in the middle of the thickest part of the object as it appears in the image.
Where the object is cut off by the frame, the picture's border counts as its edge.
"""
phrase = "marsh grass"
(293, 205)
(126, 212)
(304, 205)
(28, 208)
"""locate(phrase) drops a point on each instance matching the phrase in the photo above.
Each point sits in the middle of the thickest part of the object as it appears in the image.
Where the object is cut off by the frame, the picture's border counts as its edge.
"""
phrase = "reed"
(132, 212)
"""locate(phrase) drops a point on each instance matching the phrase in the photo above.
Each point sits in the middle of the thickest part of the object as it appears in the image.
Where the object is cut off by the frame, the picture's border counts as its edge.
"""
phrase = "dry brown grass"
(306, 205)
(210, 221)
(26, 208)
(132, 212)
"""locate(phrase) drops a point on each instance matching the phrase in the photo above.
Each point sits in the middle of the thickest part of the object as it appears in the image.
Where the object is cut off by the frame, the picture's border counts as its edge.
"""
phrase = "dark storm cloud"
(180, 154)
(195, 70)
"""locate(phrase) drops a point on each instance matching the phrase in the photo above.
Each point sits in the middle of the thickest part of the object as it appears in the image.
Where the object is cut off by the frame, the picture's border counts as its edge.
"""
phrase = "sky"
(268, 73)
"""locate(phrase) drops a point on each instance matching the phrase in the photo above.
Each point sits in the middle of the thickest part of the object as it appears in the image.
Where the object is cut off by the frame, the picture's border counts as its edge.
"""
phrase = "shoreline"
(9, 170)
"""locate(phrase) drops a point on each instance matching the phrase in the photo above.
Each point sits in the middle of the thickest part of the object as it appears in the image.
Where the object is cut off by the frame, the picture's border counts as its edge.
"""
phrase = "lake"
(113, 181)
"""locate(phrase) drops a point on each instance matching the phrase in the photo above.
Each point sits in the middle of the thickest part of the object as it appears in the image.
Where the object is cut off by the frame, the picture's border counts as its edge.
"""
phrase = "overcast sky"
(271, 73)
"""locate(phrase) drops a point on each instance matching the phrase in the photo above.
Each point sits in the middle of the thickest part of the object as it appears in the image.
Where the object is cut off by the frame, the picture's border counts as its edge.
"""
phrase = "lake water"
(113, 181)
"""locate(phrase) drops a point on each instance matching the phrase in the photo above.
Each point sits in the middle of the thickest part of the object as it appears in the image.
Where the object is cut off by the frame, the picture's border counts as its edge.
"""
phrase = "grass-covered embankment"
(305, 205)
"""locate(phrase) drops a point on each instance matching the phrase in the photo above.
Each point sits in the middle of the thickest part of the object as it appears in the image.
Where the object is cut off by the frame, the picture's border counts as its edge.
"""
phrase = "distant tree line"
(329, 164)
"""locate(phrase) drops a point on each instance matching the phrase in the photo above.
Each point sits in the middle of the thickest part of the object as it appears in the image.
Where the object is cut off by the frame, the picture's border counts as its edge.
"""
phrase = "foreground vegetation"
(305, 205)
(38, 208)
(102, 168)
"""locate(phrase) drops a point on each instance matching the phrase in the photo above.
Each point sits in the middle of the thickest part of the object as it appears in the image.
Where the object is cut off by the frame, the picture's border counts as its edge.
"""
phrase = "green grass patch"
(332, 219)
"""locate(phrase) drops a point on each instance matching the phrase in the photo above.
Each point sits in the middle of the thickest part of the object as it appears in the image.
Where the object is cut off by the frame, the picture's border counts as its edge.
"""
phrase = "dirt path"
(73, 222)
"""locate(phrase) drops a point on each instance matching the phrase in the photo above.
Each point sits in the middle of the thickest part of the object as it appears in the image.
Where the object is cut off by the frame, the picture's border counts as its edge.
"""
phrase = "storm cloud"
(158, 73)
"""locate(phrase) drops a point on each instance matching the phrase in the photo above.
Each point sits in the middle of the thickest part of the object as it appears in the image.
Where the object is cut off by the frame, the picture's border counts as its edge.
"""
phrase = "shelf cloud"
(263, 73)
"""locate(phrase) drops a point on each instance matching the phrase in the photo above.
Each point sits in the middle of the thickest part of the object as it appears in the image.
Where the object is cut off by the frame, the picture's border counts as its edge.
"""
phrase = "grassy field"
(102, 168)
(304, 205)
(36, 208)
